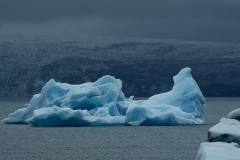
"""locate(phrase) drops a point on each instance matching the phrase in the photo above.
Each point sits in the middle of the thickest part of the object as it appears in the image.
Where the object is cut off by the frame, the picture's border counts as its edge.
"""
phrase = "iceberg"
(103, 103)
(218, 151)
(224, 140)
(227, 130)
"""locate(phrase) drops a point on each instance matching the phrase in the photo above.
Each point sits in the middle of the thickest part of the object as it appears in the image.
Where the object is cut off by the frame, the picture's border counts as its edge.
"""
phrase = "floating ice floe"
(218, 151)
(103, 103)
(227, 130)
(224, 140)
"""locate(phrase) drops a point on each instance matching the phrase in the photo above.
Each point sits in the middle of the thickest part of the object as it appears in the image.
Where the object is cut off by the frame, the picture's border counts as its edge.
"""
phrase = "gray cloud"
(206, 20)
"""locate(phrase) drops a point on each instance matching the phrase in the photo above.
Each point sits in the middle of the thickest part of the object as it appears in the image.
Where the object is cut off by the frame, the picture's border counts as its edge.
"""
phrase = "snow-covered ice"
(103, 103)
(227, 130)
(218, 151)
(224, 140)
(235, 114)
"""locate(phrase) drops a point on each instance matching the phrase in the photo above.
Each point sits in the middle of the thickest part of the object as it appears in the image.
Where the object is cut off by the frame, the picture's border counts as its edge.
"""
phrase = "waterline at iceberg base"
(103, 103)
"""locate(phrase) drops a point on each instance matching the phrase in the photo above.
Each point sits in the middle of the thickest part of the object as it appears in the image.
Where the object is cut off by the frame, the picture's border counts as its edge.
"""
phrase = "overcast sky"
(197, 20)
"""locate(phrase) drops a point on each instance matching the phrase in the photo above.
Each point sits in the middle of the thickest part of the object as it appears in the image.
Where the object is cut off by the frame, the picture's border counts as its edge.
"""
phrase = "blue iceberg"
(103, 103)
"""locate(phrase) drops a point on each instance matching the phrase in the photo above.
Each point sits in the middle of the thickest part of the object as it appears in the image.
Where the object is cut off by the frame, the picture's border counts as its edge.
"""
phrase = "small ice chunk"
(227, 130)
(218, 151)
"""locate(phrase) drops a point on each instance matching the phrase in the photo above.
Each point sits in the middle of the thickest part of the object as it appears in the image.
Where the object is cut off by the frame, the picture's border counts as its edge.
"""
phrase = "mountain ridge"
(146, 68)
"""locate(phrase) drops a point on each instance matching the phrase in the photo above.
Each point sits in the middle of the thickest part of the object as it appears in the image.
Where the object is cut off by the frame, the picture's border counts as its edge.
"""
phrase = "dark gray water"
(23, 142)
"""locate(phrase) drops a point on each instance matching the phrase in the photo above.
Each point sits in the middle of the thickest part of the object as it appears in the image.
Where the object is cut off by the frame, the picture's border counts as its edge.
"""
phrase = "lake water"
(23, 142)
